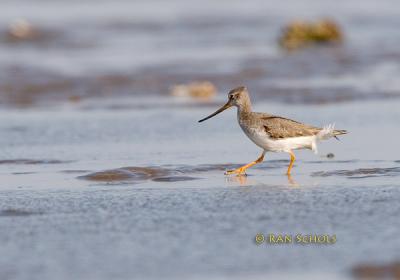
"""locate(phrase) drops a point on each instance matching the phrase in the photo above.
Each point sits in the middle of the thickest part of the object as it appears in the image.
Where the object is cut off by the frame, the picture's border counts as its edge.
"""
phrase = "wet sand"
(100, 194)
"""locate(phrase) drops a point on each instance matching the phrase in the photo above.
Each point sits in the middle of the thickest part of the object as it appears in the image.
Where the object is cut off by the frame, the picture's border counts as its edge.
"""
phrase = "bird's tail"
(339, 132)
(326, 133)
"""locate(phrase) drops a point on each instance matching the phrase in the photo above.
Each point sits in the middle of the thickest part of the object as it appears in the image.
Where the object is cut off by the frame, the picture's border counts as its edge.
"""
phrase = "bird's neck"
(244, 108)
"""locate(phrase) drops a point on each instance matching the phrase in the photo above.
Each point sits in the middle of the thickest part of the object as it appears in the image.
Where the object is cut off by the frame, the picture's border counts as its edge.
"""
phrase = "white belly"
(261, 139)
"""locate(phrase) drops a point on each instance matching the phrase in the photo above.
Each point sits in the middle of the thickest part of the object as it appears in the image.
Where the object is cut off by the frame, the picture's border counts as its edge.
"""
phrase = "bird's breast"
(257, 135)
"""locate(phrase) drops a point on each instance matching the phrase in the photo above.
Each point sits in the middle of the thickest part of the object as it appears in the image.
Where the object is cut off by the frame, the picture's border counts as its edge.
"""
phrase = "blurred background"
(66, 51)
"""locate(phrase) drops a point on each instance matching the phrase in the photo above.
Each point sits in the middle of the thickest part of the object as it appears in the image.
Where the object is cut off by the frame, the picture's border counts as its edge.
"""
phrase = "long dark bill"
(223, 108)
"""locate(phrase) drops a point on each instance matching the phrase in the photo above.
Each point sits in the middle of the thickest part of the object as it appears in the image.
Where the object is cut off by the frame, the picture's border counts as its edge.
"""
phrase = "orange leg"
(292, 159)
(242, 170)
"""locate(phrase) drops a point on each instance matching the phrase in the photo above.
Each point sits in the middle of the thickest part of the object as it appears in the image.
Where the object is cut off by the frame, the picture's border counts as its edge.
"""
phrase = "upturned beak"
(223, 108)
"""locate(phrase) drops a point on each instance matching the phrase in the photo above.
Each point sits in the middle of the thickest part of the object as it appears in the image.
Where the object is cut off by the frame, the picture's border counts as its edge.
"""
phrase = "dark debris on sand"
(377, 271)
(360, 173)
(17, 213)
(32, 161)
(167, 173)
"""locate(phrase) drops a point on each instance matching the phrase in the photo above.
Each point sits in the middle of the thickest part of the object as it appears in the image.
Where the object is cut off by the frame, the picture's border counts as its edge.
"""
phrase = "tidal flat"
(140, 193)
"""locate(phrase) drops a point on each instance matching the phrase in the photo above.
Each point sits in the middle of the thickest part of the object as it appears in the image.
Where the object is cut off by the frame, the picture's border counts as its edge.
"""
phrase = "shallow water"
(100, 194)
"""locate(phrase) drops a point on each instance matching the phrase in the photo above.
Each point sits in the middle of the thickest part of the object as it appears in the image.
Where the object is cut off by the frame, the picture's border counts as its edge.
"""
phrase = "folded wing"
(279, 127)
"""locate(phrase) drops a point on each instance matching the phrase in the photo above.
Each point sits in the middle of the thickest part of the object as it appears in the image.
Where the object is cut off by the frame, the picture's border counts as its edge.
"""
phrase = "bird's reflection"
(292, 182)
(244, 180)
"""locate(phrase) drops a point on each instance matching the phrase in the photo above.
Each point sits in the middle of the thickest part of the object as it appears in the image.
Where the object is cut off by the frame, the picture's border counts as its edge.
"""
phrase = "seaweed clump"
(22, 30)
(196, 90)
(300, 34)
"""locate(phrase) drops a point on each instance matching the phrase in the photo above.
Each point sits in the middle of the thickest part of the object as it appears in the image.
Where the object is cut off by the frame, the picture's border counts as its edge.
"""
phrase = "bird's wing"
(279, 127)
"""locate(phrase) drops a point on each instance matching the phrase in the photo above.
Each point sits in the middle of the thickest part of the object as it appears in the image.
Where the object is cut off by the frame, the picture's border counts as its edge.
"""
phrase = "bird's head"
(238, 97)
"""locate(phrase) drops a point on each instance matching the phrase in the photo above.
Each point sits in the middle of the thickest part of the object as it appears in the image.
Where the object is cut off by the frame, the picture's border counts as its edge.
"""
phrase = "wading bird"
(273, 133)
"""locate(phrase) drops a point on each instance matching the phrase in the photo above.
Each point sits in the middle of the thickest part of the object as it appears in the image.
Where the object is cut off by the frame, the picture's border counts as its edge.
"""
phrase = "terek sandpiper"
(273, 133)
